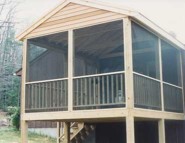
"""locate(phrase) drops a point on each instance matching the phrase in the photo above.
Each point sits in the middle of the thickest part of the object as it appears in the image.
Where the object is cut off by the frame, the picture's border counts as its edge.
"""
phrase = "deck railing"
(173, 100)
(46, 96)
(99, 91)
(147, 92)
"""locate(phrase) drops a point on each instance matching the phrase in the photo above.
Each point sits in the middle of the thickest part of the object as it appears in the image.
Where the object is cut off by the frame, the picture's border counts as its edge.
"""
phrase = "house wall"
(73, 16)
(47, 128)
(50, 132)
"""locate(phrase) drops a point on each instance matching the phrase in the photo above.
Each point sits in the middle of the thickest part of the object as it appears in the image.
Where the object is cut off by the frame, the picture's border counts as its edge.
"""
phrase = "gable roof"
(109, 7)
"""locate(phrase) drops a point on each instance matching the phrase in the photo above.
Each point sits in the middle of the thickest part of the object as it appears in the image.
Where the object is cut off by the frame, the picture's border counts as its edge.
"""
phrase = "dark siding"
(175, 131)
(146, 132)
(111, 133)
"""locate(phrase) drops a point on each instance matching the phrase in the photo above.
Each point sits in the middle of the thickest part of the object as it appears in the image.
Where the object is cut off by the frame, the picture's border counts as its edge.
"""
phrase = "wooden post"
(58, 131)
(161, 131)
(24, 131)
(161, 75)
(66, 132)
(182, 76)
(129, 80)
(24, 125)
(130, 130)
(129, 87)
(70, 70)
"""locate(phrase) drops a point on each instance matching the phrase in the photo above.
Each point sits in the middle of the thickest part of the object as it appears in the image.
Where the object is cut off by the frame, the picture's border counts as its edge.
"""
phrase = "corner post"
(66, 132)
(129, 88)
(161, 131)
(24, 124)
(70, 70)
(129, 80)
(161, 74)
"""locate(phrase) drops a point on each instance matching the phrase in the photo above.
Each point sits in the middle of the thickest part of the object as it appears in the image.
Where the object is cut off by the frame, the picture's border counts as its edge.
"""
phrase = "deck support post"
(161, 131)
(130, 130)
(66, 132)
(24, 131)
(58, 131)
(24, 123)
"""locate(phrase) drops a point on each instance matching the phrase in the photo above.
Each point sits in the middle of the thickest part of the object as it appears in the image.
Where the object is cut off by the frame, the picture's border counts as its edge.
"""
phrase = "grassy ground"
(10, 135)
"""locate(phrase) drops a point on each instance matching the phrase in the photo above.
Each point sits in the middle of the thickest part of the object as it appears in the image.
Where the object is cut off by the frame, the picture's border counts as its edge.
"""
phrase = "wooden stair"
(78, 132)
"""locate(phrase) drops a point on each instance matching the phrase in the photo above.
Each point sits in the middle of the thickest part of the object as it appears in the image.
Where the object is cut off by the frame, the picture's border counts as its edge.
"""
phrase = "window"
(147, 91)
(145, 52)
(171, 64)
(47, 57)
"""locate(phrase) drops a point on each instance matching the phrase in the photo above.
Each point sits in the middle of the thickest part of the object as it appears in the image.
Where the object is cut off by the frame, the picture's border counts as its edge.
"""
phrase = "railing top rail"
(96, 75)
(172, 85)
(146, 76)
(44, 81)
(157, 80)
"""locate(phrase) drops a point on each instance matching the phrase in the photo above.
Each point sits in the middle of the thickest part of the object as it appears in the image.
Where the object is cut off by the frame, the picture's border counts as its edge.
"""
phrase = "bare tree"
(8, 50)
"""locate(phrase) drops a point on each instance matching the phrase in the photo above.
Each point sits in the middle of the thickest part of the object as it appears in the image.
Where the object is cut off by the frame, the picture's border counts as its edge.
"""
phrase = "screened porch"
(98, 70)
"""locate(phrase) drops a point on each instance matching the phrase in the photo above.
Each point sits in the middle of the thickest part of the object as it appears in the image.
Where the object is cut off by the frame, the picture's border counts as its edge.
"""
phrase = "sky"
(168, 14)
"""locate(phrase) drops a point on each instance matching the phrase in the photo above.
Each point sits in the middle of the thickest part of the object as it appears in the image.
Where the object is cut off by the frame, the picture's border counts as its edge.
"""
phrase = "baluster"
(66, 92)
(46, 95)
(77, 92)
(34, 99)
(40, 94)
(27, 97)
(43, 90)
(39, 97)
(81, 90)
(122, 92)
(57, 94)
(117, 89)
(90, 95)
(54, 94)
(36, 96)
(103, 89)
(112, 88)
(50, 95)
(98, 98)
(62, 95)
(32, 96)
(86, 95)
(108, 94)
(94, 85)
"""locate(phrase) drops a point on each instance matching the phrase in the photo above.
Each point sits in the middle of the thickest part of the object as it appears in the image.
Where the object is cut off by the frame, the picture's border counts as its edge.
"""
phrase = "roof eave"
(95, 4)
(131, 13)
